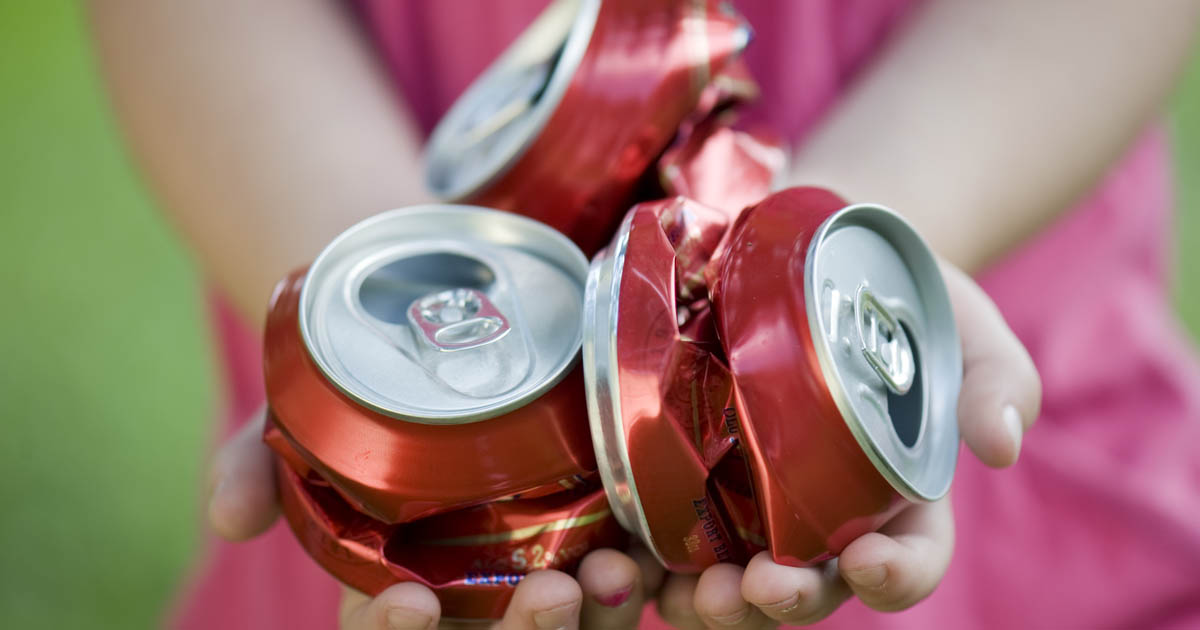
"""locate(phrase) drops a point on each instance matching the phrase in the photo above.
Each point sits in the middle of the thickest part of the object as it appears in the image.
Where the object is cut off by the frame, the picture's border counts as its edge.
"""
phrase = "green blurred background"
(106, 379)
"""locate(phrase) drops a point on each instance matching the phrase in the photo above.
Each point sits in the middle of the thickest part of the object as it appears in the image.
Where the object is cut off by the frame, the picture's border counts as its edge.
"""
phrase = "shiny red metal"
(398, 471)
(721, 167)
(472, 558)
(711, 162)
(716, 429)
(817, 489)
(647, 64)
(673, 387)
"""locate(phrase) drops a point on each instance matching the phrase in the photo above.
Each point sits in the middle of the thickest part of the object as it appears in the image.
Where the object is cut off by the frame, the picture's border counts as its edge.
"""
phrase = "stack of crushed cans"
(458, 398)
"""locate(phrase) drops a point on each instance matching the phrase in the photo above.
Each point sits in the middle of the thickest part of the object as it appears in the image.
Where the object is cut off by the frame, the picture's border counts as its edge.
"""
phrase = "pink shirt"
(1094, 527)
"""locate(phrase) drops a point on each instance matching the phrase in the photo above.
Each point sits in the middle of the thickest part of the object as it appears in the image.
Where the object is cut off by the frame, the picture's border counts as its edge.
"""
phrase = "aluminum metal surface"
(602, 387)
(786, 380)
(500, 114)
(472, 558)
(444, 314)
(398, 471)
(657, 393)
(647, 66)
(887, 343)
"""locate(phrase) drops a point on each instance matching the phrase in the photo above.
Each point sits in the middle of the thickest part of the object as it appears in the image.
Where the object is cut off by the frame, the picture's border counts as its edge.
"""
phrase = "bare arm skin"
(267, 127)
(264, 128)
(984, 120)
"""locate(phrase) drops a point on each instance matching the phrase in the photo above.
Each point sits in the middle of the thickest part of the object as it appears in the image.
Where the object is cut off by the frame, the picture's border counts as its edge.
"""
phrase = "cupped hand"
(891, 569)
(609, 594)
(903, 562)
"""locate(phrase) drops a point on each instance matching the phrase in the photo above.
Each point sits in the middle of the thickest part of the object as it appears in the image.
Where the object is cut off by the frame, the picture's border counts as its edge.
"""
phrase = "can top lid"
(885, 337)
(444, 314)
(499, 115)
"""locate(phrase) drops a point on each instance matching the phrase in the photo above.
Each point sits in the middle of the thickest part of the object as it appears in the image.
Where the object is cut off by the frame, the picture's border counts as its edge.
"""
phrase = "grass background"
(106, 380)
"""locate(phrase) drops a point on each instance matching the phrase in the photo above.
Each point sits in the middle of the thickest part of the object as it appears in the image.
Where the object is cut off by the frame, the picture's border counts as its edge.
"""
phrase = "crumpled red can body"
(728, 428)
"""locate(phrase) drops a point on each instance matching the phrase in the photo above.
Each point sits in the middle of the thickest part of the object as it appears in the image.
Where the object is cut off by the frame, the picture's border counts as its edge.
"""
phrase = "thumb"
(1001, 391)
(244, 498)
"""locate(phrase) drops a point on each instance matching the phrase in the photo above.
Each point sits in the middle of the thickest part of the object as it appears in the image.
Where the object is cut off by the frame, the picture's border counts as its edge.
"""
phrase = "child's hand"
(902, 563)
(610, 591)
(889, 570)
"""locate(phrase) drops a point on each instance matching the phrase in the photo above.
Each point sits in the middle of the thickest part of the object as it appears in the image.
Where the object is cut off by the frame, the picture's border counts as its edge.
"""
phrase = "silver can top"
(499, 115)
(884, 334)
(445, 314)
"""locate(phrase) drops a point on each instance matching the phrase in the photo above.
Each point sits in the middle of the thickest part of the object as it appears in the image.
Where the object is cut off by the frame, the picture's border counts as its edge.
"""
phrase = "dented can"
(565, 123)
(472, 558)
(785, 381)
(712, 161)
(427, 363)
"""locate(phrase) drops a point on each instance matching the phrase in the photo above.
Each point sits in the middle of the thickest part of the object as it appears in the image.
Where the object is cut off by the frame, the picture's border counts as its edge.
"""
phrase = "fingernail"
(1012, 423)
(870, 577)
(615, 598)
(556, 618)
(784, 605)
(730, 619)
(401, 618)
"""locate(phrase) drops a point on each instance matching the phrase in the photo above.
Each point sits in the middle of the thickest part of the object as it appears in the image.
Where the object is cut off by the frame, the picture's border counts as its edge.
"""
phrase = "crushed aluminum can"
(426, 404)
(787, 381)
(472, 558)
(565, 123)
(450, 334)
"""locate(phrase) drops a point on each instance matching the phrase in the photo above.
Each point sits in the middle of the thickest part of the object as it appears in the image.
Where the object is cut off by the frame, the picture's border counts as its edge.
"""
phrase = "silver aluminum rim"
(446, 133)
(603, 389)
(896, 462)
(558, 248)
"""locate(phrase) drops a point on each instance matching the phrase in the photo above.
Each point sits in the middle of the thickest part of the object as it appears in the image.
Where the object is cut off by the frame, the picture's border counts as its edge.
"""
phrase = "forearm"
(263, 128)
(985, 120)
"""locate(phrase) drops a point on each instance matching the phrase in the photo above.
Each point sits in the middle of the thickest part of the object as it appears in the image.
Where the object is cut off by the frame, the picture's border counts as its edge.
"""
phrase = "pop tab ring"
(885, 345)
(458, 319)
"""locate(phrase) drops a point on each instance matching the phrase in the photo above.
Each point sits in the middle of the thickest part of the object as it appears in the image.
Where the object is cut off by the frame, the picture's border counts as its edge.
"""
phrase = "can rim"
(440, 158)
(560, 250)
(602, 386)
(939, 449)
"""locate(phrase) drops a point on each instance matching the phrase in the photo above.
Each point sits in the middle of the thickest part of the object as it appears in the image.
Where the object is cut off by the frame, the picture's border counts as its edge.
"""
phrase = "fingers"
(651, 571)
(612, 591)
(244, 500)
(711, 600)
(902, 563)
(544, 599)
(405, 606)
(675, 602)
(718, 600)
(793, 595)
(1001, 392)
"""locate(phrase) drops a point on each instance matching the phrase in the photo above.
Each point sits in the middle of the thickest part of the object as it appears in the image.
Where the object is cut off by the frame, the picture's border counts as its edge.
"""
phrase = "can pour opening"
(907, 410)
(387, 292)
(435, 309)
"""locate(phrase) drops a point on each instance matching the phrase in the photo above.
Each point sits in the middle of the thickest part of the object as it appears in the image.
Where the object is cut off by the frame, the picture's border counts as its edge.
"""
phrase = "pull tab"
(457, 319)
(885, 343)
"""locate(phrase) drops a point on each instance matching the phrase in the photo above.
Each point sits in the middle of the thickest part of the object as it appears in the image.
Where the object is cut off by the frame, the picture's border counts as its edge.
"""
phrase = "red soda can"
(472, 558)
(786, 382)
(565, 123)
(425, 364)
